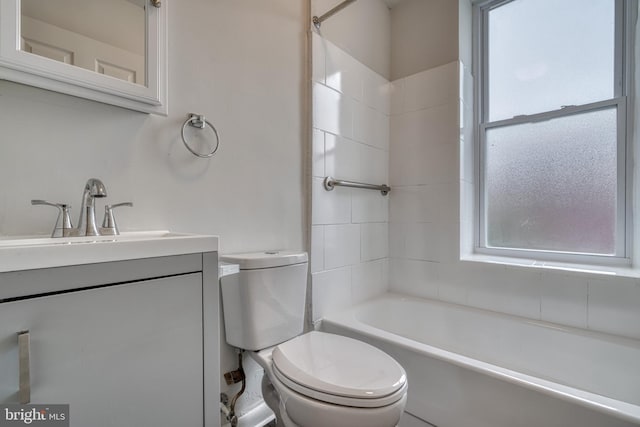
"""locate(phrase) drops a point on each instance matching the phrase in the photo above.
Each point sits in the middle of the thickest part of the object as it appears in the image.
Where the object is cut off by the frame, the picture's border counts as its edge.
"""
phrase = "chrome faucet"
(87, 221)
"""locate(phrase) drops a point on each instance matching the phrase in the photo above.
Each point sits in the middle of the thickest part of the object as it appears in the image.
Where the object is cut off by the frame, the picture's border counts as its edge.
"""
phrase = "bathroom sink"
(32, 252)
(10, 241)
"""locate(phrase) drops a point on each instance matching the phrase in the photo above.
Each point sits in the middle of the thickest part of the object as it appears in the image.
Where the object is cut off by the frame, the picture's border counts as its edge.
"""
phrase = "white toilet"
(314, 379)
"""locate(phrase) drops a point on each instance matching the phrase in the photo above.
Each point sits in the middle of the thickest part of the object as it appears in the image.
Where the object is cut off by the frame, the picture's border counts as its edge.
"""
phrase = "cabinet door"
(125, 355)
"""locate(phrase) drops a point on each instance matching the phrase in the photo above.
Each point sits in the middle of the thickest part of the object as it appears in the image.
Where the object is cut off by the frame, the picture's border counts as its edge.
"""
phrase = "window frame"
(624, 12)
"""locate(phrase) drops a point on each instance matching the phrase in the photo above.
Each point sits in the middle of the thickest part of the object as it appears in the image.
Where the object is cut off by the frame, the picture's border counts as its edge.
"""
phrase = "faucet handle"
(109, 226)
(60, 230)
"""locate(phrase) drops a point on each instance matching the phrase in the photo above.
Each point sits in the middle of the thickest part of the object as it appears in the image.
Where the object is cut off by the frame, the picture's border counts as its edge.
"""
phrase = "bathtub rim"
(616, 408)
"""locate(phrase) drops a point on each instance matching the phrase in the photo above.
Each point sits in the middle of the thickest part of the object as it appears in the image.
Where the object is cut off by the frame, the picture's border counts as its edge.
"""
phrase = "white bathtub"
(471, 367)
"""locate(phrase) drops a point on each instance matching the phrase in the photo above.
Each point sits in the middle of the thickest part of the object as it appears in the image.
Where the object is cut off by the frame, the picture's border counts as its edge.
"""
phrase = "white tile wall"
(421, 241)
(317, 248)
(354, 161)
(331, 291)
(374, 165)
(414, 277)
(507, 290)
(370, 206)
(341, 245)
(613, 306)
(432, 177)
(413, 204)
(318, 72)
(376, 92)
(370, 126)
(430, 88)
(425, 146)
(396, 103)
(349, 238)
(564, 299)
(332, 207)
(342, 157)
(429, 127)
(332, 112)
(423, 170)
(317, 154)
(374, 241)
(454, 280)
(344, 73)
(369, 279)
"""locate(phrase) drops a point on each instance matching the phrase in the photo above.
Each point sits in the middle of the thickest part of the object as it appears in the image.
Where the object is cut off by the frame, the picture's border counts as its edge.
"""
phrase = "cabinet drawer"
(20, 284)
(125, 355)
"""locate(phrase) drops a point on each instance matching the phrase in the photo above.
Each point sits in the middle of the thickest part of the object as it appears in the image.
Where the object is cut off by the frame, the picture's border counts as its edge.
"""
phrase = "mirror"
(112, 51)
(104, 36)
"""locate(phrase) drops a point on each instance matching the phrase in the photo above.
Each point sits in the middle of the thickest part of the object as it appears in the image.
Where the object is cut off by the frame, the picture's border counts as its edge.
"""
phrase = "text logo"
(12, 415)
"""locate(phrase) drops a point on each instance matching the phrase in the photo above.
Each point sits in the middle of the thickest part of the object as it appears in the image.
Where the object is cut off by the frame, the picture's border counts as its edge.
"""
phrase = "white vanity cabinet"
(123, 343)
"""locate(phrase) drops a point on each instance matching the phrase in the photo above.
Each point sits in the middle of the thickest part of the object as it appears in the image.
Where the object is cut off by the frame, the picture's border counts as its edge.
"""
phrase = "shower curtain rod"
(318, 21)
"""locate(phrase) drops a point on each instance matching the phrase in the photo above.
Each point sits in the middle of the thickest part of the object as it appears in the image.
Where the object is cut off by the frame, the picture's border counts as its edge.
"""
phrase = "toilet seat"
(339, 370)
(340, 400)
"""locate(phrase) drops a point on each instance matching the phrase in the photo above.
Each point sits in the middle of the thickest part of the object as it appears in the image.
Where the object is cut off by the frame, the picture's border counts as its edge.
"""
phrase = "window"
(552, 128)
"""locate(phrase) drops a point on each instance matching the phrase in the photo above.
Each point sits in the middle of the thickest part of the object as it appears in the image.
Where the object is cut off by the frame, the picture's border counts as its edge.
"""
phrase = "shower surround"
(349, 254)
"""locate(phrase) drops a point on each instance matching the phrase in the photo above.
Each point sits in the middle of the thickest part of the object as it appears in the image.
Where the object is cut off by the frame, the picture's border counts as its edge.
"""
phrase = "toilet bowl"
(330, 380)
(313, 379)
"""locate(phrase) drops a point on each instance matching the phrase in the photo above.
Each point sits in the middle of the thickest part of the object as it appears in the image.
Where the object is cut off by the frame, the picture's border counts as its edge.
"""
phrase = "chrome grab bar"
(330, 183)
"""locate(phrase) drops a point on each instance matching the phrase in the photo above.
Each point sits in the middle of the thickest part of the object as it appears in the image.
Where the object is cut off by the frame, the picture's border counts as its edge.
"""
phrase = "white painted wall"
(242, 64)
(221, 65)
(362, 29)
(423, 35)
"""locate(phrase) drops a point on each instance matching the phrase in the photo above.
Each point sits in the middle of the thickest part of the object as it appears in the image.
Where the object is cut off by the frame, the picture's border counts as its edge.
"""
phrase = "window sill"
(578, 269)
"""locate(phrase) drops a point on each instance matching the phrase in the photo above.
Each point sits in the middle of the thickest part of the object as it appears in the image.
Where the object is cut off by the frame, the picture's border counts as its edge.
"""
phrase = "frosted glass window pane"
(552, 185)
(544, 54)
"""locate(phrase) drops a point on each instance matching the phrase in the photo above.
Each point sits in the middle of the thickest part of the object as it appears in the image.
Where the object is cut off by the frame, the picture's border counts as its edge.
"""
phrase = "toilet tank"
(264, 303)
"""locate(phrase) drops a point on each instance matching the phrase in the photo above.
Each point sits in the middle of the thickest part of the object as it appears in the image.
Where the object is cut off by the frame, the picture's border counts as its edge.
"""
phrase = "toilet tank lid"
(266, 259)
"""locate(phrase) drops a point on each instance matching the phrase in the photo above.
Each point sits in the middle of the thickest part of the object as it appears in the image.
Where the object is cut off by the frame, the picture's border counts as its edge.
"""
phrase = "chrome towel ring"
(199, 121)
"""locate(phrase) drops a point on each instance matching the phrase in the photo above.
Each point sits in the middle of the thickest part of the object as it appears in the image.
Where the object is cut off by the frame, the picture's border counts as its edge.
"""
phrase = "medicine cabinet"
(111, 51)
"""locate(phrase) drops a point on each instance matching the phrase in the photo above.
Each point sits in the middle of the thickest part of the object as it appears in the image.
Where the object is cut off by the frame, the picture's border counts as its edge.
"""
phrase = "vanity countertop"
(35, 252)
